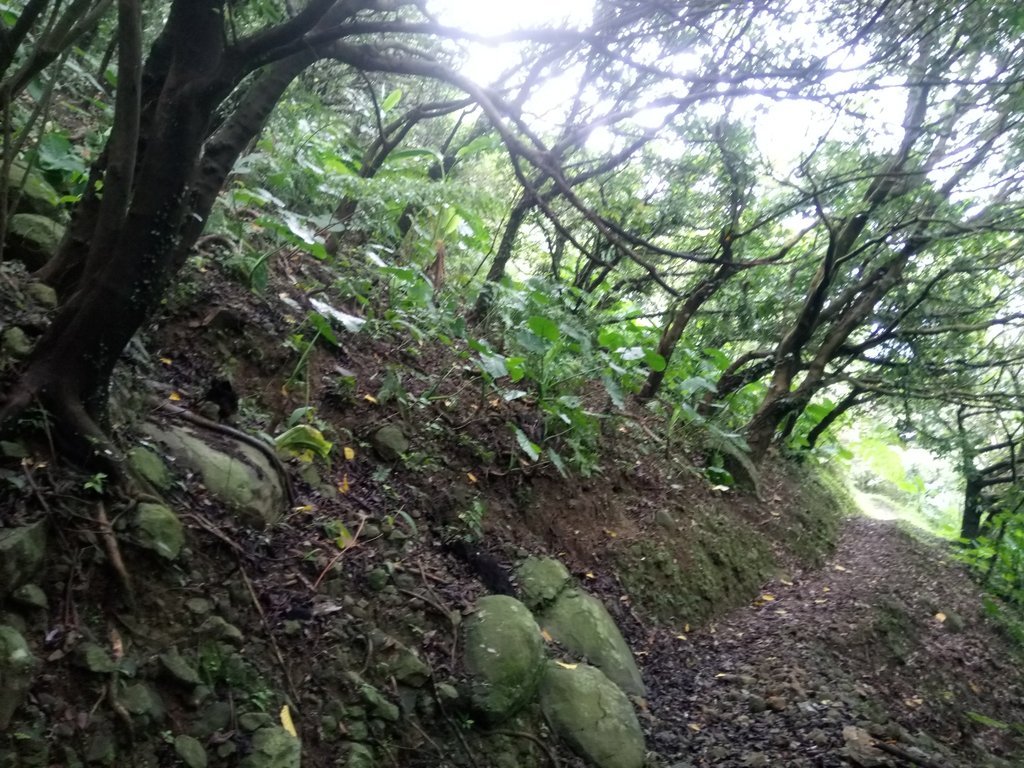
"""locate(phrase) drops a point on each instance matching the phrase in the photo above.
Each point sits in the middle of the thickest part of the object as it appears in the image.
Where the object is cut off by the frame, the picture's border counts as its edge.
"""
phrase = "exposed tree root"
(114, 552)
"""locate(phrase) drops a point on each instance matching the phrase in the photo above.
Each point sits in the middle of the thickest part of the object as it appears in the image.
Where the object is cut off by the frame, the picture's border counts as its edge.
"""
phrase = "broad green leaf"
(493, 365)
(544, 327)
(302, 441)
(654, 361)
(558, 462)
(528, 447)
(323, 327)
(611, 339)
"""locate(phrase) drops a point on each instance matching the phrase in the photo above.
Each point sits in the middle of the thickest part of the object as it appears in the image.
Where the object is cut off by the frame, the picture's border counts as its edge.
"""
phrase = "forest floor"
(885, 645)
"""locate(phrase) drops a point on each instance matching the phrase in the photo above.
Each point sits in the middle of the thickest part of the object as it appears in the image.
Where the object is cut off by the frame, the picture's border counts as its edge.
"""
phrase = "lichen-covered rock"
(239, 475)
(581, 623)
(17, 668)
(34, 193)
(32, 239)
(592, 715)
(16, 343)
(42, 294)
(273, 748)
(542, 580)
(160, 530)
(390, 442)
(503, 655)
(22, 550)
(150, 467)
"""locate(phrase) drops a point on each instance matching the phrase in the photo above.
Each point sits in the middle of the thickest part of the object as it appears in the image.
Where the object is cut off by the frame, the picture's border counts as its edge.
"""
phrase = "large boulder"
(32, 239)
(542, 580)
(17, 668)
(592, 715)
(22, 550)
(241, 476)
(581, 623)
(503, 656)
(33, 192)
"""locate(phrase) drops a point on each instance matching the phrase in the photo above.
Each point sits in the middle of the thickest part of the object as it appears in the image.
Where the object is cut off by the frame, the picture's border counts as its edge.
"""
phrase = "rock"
(253, 721)
(860, 748)
(150, 467)
(17, 669)
(954, 622)
(757, 704)
(755, 760)
(219, 629)
(42, 294)
(541, 580)
(140, 699)
(378, 703)
(503, 655)
(406, 667)
(592, 715)
(32, 239)
(179, 669)
(664, 519)
(777, 703)
(239, 475)
(390, 442)
(273, 748)
(34, 193)
(190, 751)
(377, 579)
(15, 343)
(581, 623)
(31, 596)
(160, 530)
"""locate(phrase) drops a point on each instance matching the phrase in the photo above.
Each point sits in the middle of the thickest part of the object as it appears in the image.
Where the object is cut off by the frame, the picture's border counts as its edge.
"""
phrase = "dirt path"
(888, 639)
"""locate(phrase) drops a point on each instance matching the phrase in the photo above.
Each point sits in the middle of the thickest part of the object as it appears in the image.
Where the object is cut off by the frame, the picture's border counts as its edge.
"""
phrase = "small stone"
(199, 605)
(217, 628)
(178, 668)
(17, 669)
(160, 530)
(755, 760)
(377, 579)
(757, 704)
(777, 703)
(954, 622)
(390, 442)
(31, 596)
(16, 343)
(664, 519)
(42, 294)
(370, 531)
(190, 751)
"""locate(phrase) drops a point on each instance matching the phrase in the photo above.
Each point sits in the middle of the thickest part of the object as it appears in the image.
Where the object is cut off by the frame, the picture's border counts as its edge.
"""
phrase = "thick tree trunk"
(970, 526)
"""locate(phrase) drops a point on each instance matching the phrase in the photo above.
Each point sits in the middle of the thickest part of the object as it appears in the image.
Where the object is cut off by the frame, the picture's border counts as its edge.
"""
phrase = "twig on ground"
(902, 754)
(114, 552)
(270, 634)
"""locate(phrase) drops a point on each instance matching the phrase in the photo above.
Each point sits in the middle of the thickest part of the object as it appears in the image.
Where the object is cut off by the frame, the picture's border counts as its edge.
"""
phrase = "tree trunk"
(496, 272)
(832, 416)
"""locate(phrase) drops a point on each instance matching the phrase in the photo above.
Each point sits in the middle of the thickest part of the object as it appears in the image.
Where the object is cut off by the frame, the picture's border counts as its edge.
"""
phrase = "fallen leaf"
(838, 567)
(680, 637)
(304, 508)
(940, 617)
(695, 727)
(174, 397)
(547, 636)
(768, 598)
(370, 399)
(343, 485)
(590, 575)
(471, 477)
(820, 600)
(349, 453)
(563, 665)
(166, 361)
(286, 721)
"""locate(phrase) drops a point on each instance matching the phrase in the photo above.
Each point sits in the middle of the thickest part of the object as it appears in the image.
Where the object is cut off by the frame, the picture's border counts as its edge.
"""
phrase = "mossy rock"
(273, 748)
(32, 239)
(160, 530)
(148, 465)
(503, 655)
(592, 715)
(581, 623)
(35, 194)
(17, 669)
(542, 580)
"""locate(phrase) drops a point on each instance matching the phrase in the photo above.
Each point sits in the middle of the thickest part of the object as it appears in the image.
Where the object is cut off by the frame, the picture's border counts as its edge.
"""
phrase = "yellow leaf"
(286, 721)
(370, 399)
(166, 361)
(768, 598)
(590, 575)
(349, 453)
(839, 567)
(563, 665)
(826, 589)
(940, 617)
(304, 508)
(547, 636)
(610, 534)
(695, 727)
(819, 601)
(343, 485)
(785, 583)
(686, 628)
(680, 637)
(174, 397)
(471, 477)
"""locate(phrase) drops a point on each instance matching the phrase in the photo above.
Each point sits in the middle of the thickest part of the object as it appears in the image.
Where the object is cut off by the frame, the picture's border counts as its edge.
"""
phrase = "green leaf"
(323, 327)
(57, 154)
(989, 721)
(654, 361)
(303, 441)
(558, 462)
(493, 365)
(391, 100)
(611, 339)
(516, 368)
(544, 327)
(529, 447)
(611, 386)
